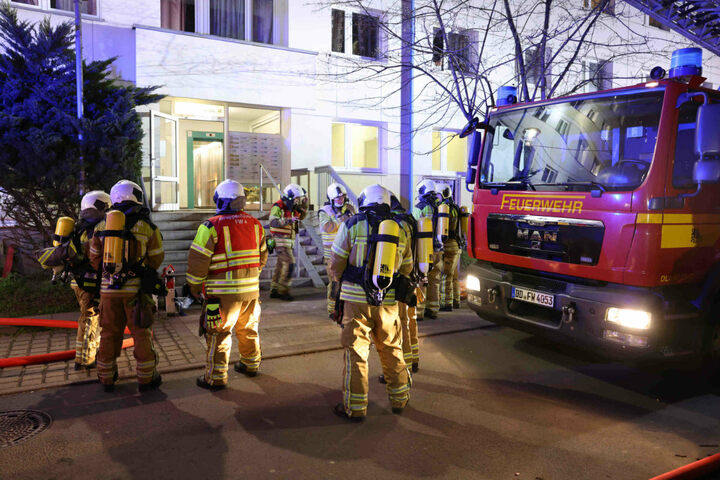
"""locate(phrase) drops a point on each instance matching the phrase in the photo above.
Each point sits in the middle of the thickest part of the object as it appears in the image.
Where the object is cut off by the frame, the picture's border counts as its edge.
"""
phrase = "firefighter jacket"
(330, 220)
(350, 248)
(227, 255)
(84, 276)
(428, 209)
(283, 223)
(401, 216)
(143, 249)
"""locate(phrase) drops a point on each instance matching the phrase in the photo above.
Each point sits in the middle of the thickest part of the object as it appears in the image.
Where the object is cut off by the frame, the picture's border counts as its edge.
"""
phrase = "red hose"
(693, 470)
(44, 357)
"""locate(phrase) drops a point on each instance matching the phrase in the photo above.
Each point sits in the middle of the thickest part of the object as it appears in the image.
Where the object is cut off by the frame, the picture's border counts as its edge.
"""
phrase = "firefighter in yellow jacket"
(370, 256)
(336, 210)
(427, 206)
(85, 281)
(224, 263)
(284, 215)
(452, 245)
(125, 298)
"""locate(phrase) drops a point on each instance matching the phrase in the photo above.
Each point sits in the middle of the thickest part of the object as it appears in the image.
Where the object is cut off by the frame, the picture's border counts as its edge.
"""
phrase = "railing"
(269, 175)
(327, 175)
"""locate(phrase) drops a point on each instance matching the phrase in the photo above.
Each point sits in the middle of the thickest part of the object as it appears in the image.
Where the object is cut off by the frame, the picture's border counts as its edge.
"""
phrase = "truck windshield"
(598, 142)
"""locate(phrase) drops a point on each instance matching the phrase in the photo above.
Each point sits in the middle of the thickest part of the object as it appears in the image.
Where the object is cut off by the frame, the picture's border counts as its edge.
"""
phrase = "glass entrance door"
(206, 168)
(164, 161)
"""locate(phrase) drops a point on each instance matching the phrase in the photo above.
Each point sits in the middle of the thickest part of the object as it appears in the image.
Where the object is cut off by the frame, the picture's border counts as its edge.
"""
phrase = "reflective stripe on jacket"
(330, 222)
(350, 248)
(227, 255)
(282, 226)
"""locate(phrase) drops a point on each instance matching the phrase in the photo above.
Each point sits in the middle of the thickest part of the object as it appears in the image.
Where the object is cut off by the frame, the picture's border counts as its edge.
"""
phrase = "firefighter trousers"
(411, 352)
(362, 324)
(450, 288)
(242, 316)
(117, 311)
(283, 269)
(431, 293)
(331, 290)
(88, 332)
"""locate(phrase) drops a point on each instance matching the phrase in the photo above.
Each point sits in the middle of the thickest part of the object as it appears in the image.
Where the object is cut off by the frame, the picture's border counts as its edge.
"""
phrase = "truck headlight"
(638, 319)
(472, 283)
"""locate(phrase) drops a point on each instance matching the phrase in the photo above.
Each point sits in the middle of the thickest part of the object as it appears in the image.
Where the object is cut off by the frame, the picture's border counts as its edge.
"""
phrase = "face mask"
(339, 201)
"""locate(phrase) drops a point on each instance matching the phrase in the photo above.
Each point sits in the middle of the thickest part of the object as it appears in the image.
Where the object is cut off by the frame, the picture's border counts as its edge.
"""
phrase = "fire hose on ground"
(44, 357)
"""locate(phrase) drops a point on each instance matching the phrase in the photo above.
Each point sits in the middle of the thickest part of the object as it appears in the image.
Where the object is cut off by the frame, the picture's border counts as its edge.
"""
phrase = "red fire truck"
(596, 217)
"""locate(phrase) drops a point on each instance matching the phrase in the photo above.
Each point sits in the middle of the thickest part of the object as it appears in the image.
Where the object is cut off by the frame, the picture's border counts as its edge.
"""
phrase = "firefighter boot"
(339, 410)
(242, 368)
(151, 385)
(202, 383)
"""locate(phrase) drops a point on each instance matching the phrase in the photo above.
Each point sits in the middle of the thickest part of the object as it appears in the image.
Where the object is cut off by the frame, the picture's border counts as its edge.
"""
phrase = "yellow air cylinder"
(63, 229)
(443, 221)
(113, 248)
(424, 247)
(385, 254)
(464, 219)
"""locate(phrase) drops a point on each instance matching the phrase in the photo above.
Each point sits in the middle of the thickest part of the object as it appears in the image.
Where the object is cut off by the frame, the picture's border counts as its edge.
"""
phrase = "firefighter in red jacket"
(224, 262)
(284, 215)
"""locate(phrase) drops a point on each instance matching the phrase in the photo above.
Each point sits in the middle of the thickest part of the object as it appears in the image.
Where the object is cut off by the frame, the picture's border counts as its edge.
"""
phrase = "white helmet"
(96, 199)
(335, 190)
(424, 187)
(293, 191)
(126, 191)
(226, 192)
(374, 195)
(444, 189)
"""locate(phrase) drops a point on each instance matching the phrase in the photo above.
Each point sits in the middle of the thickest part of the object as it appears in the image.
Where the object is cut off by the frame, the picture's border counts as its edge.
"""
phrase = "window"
(534, 66)
(562, 128)
(609, 7)
(338, 31)
(355, 146)
(449, 154)
(178, 15)
(86, 6)
(549, 175)
(364, 34)
(654, 23)
(598, 75)
(27, 2)
(227, 18)
(458, 50)
(685, 156)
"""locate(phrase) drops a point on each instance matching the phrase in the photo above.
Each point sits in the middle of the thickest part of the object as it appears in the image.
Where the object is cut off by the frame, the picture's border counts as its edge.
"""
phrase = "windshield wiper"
(510, 183)
(594, 186)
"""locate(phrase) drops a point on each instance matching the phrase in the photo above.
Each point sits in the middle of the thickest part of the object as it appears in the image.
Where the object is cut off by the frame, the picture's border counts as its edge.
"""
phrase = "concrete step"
(188, 235)
(171, 245)
(174, 256)
(182, 215)
(171, 225)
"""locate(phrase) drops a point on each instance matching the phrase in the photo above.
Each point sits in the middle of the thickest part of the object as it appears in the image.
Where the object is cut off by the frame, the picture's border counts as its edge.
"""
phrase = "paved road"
(491, 404)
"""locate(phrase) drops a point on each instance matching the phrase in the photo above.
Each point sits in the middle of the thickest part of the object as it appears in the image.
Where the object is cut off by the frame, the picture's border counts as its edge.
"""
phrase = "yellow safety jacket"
(330, 221)
(282, 225)
(350, 248)
(227, 255)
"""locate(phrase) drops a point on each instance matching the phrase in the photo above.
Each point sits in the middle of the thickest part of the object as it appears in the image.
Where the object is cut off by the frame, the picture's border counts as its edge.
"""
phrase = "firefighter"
(85, 281)
(427, 206)
(224, 263)
(369, 255)
(284, 215)
(336, 210)
(129, 280)
(450, 285)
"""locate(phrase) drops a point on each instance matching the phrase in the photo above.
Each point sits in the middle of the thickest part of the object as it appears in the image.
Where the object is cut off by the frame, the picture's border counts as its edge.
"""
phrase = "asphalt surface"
(492, 403)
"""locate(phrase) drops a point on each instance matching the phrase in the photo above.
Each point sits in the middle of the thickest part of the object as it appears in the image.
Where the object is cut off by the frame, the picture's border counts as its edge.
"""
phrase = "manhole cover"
(16, 426)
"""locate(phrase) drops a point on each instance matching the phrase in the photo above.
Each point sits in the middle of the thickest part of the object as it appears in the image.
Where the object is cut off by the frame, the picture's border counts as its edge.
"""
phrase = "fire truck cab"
(596, 217)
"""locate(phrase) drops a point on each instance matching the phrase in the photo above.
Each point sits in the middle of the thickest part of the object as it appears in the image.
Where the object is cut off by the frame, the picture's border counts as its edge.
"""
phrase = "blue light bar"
(506, 95)
(686, 61)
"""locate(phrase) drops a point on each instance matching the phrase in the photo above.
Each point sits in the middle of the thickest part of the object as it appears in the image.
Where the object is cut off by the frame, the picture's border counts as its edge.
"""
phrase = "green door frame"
(203, 136)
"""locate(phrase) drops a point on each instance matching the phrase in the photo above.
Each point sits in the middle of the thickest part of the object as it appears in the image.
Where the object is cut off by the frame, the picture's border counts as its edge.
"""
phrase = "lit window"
(178, 15)
(449, 153)
(26, 2)
(86, 6)
(355, 146)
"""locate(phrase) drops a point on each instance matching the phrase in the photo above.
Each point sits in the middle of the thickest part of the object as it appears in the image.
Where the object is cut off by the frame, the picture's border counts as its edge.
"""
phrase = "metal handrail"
(275, 184)
(328, 169)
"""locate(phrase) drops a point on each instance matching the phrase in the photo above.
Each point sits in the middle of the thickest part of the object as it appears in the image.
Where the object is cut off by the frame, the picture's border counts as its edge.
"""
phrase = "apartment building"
(255, 92)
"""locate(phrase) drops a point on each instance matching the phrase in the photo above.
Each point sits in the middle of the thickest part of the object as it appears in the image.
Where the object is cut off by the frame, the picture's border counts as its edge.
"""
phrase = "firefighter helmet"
(293, 191)
(226, 192)
(395, 204)
(374, 195)
(96, 199)
(335, 190)
(425, 187)
(444, 189)
(126, 191)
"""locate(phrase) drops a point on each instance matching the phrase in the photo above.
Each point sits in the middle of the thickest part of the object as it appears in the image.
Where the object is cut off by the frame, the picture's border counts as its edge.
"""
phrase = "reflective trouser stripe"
(449, 284)
(283, 268)
(242, 317)
(431, 293)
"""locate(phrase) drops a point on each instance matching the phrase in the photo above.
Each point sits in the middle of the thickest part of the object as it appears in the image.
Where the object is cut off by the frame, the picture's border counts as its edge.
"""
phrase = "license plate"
(533, 296)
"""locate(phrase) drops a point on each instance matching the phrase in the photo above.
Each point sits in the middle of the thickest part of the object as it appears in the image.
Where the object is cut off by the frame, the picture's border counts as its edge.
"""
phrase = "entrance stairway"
(179, 228)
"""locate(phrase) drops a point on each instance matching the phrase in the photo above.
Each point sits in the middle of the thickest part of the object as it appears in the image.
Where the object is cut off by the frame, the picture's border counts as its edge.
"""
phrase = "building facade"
(267, 91)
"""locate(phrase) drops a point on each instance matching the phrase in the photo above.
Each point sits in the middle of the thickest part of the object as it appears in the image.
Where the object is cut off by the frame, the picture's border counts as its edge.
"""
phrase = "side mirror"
(707, 140)
(472, 161)
(706, 171)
